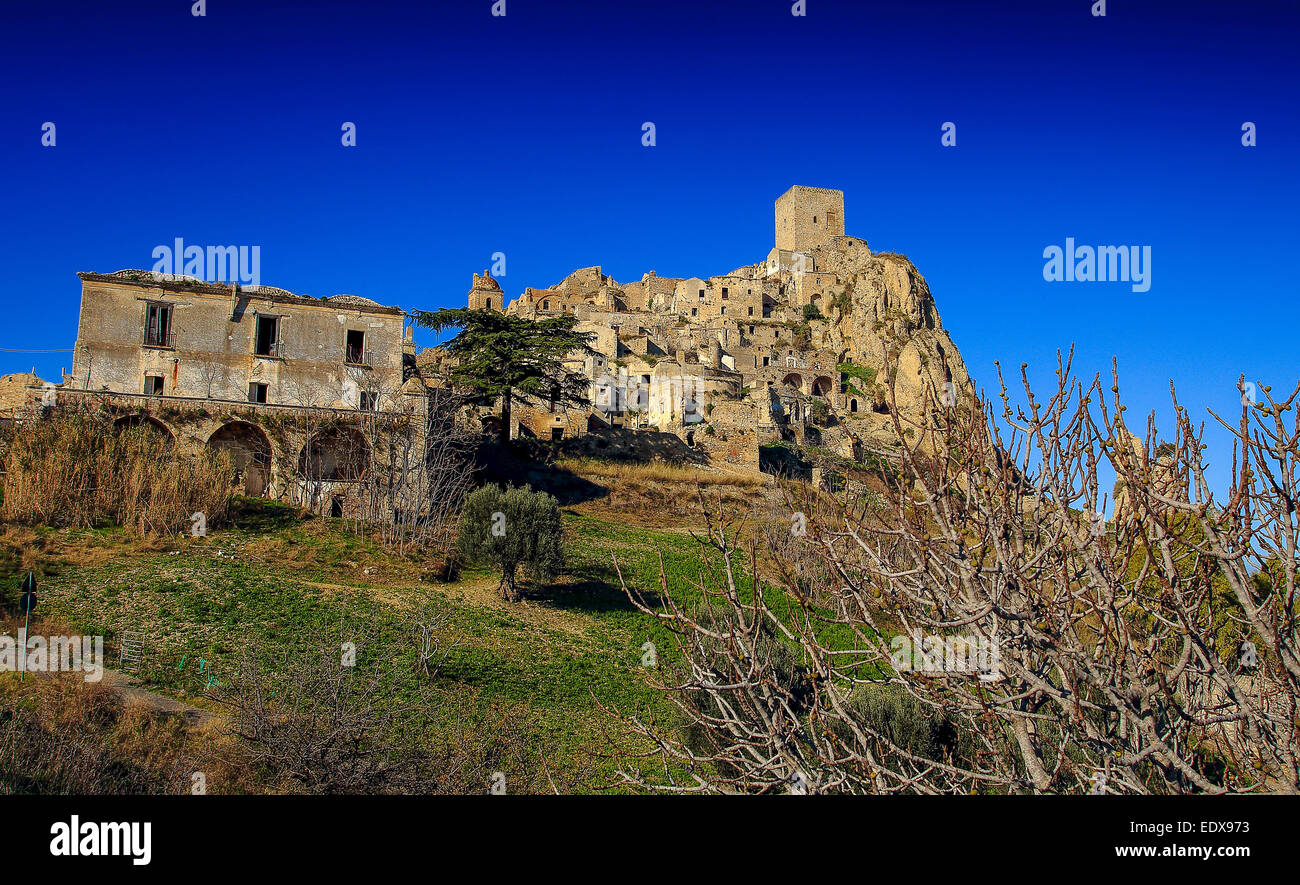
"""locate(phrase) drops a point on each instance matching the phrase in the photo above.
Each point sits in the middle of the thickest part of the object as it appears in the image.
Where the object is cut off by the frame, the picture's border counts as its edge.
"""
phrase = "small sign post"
(27, 602)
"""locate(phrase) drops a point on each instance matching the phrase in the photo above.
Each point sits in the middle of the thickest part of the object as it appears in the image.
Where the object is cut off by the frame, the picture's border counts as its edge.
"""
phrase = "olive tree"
(511, 528)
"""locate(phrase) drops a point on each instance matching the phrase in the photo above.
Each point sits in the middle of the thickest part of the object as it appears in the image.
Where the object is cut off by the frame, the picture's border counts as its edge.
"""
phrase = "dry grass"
(64, 735)
(72, 469)
(661, 472)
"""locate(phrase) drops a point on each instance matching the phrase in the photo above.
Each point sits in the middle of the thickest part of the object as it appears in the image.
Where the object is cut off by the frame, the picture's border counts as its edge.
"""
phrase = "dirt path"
(128, 688)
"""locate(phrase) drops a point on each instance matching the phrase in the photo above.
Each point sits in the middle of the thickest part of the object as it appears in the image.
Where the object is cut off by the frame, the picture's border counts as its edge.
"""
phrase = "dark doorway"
(250, 454)
(356, 346)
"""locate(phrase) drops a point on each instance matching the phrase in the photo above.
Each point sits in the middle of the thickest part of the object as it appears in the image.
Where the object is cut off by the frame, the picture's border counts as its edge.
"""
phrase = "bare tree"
(333, 717)
(985, 631)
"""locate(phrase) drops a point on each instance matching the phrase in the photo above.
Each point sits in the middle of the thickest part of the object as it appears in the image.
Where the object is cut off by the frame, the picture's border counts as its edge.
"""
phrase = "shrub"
(512, 528)
(812, 312)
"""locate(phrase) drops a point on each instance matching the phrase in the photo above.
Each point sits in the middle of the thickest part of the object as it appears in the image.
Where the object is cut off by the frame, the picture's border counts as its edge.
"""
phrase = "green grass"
(196, 604)
(549, 664)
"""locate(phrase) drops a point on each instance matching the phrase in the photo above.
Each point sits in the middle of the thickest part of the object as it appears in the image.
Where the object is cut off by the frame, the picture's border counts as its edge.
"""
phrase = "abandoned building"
(319, 400)
(794, 347)
(306, 395)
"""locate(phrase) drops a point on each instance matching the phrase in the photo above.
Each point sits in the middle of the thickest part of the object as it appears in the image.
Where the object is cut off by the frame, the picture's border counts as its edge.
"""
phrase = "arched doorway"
(335, 454)
(794, 379)
(249, 451)
(147, 426)
(821, 386)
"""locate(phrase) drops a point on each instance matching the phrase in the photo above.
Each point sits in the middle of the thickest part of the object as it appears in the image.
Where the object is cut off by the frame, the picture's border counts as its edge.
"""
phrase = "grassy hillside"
(539, 670)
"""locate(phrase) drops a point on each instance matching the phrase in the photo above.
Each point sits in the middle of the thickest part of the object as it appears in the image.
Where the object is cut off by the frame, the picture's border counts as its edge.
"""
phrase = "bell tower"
(485, 293)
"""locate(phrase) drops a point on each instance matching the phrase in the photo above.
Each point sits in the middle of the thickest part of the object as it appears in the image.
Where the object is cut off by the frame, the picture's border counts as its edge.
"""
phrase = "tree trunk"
(509, 591)
(505, 418)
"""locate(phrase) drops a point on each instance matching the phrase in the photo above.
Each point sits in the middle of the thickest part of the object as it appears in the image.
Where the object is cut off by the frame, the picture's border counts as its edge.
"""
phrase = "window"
(153, 385)
(724, 311)
(751, 328)
(694, 311)
(158, 325)
(724, 293)
(751, 313)
(257, 392)
(267, 340)
(765, 360)
(356, 347)
(369, 401)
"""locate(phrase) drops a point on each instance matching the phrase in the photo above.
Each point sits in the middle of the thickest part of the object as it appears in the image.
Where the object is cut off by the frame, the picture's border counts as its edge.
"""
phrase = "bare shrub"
(67, 736)
(1153, 654)
(305, 722)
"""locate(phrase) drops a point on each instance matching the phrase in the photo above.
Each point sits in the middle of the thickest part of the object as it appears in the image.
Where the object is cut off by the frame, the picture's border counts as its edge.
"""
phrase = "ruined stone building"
(794, 347)
(320, 400)
(307, 395)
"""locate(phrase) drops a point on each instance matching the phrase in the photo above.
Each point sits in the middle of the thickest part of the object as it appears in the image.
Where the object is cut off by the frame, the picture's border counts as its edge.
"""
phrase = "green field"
(543, 668)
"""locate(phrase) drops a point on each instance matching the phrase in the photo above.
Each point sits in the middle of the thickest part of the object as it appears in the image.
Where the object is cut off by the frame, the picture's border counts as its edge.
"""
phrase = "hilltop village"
(794, 347)
(317, 399)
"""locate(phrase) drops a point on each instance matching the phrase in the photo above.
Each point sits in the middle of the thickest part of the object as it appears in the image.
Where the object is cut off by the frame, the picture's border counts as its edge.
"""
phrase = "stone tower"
(485, 292)
(808, 217)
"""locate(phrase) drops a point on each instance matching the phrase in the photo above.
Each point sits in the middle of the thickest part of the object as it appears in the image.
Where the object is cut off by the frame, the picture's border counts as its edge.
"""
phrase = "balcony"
(158, 338)
(355, 356)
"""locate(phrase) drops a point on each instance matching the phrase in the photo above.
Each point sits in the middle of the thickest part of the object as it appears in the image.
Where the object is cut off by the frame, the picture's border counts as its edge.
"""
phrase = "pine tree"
(510, 357)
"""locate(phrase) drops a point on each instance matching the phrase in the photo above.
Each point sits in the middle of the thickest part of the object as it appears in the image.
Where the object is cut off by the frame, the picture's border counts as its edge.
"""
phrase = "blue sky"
(522, 134)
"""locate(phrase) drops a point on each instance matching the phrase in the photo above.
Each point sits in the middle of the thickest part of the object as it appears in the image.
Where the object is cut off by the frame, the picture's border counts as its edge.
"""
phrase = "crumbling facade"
(798, 347)
(306, 395)
(312, 396)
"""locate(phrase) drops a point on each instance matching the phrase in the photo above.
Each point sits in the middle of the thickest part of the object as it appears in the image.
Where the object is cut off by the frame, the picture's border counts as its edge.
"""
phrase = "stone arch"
(250, 453)
(148, 424)
(853, 405)
(492, 425)
(794, 379)
(338, 453)
(821, 386)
